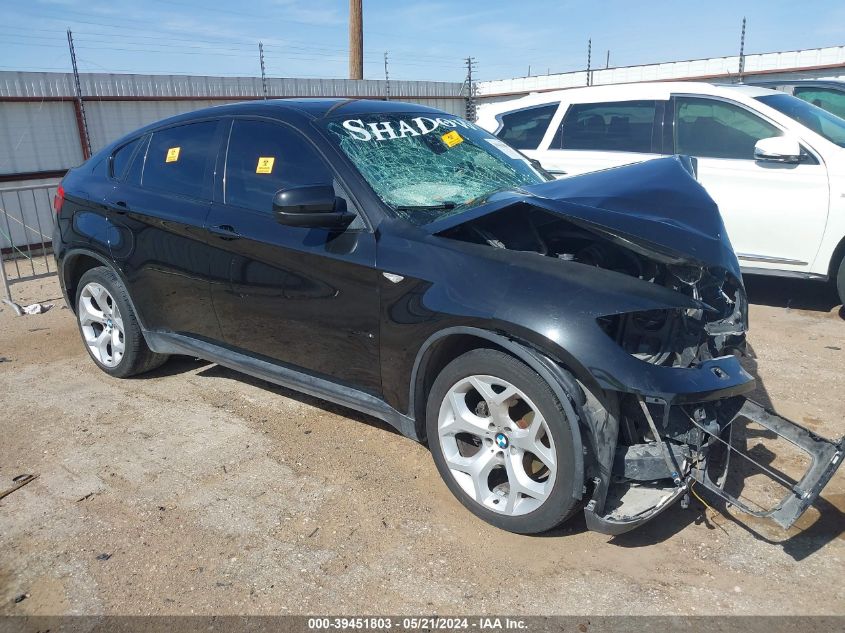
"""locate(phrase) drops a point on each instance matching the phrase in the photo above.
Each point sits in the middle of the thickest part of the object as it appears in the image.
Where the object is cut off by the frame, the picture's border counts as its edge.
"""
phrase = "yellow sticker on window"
(452, 138)
(172, 155)
(265, 165)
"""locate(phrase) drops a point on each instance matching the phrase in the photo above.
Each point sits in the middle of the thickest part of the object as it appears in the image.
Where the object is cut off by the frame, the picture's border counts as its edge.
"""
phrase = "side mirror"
(778, 149)
(312, 206)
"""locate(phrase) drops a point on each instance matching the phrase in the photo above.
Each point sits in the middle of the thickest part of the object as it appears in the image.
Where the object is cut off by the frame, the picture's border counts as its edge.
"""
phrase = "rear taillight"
(59, 199)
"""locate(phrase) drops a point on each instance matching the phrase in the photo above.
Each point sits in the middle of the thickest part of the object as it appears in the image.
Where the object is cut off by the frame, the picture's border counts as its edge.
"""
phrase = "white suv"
(773, 163)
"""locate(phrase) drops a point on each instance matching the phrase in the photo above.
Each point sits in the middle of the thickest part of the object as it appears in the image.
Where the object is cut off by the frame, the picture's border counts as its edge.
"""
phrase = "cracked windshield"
(425, 168)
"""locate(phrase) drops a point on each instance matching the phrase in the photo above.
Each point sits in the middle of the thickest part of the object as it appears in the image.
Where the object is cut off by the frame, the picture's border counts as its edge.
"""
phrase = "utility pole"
(470, 103)
(356, 40)
(263, 76)
(386, 79)
(589, 56)
(81, 121)
(607, 61)
(529, 70)
(742, 51)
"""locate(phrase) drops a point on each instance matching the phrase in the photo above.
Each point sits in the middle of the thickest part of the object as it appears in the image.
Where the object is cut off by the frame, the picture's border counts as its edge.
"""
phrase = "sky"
(424, 39)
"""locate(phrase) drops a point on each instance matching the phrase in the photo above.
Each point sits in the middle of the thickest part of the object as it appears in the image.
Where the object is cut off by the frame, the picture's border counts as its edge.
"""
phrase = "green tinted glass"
(827, 99)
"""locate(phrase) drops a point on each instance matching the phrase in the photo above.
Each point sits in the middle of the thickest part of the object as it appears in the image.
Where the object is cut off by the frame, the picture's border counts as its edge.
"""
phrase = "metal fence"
(26, 225)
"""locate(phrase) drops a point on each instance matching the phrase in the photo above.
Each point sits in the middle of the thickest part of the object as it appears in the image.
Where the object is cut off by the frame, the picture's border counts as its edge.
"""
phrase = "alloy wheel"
(101, 324)
(497, 445)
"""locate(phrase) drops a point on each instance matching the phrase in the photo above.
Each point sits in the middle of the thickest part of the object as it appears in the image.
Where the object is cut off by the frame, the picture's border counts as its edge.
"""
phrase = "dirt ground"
(196, 490)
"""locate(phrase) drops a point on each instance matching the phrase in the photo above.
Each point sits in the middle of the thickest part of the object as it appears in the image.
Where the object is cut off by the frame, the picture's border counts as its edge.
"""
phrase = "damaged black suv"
(559, 344)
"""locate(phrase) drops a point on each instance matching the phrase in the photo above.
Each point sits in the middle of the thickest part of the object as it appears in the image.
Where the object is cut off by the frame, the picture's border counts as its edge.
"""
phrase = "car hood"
(655, 207)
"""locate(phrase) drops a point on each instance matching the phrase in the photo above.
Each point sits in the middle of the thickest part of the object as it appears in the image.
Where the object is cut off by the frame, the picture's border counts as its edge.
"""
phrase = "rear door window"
(618, 126)
(709, 128)
(265, 157)
(524, 129)
(179, 160)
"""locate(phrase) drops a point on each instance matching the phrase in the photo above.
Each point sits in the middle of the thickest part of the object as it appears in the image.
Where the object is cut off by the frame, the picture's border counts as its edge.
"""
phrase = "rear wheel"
(840, 281)
(109, 327)
(502, 442)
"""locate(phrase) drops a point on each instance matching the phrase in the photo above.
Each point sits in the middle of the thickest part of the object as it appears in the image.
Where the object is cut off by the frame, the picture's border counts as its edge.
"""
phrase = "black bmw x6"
(559, 344)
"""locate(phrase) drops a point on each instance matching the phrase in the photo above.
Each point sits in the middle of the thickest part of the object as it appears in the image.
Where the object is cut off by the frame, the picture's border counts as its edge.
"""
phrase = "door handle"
(224, 231)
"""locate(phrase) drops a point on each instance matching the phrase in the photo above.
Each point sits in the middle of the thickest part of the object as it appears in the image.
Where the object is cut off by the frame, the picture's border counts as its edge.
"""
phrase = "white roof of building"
(809, 62)
(628, 92)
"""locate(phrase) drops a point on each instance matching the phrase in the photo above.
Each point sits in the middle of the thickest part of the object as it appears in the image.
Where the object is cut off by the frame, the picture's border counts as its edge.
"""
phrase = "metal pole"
(11, 241)
(386, 79)
(742, 51)
(607, 61)
(6, 285)
(356, 40)
(470, 104)
(263, 75)
(86, 147)
(589, 59)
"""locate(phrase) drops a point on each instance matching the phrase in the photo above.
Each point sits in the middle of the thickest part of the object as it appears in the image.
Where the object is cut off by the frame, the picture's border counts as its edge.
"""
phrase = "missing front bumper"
(632, 504)
(826, 456)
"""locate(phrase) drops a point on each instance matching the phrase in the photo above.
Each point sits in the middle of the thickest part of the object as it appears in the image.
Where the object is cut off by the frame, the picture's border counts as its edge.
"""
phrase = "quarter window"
(620, 126)
(708, 128)
(120, 159)
(133, 174)
(265, 157)
(178, 159)
(524, 129)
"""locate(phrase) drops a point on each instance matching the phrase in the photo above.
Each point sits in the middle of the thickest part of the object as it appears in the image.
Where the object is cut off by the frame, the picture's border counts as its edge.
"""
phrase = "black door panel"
(163, 244)
(307, 297)
(165, 257)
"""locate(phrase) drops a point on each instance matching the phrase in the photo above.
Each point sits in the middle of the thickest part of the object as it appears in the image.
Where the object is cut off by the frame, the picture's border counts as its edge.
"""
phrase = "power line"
(128, 44)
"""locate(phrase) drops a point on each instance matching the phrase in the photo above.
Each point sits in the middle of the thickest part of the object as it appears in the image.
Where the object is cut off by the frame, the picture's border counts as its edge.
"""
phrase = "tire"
(109, 328)
(840, 281)
(483, 425)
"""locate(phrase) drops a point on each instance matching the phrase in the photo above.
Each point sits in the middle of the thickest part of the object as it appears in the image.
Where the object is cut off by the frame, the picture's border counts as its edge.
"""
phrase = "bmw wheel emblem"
(501, 440)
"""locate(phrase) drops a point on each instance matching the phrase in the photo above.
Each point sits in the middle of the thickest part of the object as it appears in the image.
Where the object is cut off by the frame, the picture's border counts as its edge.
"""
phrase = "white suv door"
(775, 212)
(593, 136)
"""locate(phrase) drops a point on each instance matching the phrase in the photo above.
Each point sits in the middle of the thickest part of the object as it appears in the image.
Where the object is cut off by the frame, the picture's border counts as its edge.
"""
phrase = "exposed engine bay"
(649, 451)
(677, 338)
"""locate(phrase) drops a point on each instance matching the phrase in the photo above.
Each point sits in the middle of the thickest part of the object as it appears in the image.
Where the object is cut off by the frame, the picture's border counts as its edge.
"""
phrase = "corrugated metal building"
(40, 128)
(41, 131)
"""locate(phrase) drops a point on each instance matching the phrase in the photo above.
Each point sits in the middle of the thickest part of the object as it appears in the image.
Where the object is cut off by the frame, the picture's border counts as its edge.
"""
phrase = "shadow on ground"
(829, 525)
(217, 371)
(798, 294)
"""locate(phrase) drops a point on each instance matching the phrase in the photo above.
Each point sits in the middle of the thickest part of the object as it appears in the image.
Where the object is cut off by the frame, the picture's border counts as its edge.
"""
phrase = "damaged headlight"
(649, 335)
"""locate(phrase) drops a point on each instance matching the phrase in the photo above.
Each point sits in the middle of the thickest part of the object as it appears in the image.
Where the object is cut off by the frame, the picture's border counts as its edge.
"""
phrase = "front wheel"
(502, 442)
(109, 327)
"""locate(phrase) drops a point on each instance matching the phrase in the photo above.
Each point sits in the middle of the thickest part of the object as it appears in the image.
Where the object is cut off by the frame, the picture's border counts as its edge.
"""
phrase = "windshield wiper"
(427, 207)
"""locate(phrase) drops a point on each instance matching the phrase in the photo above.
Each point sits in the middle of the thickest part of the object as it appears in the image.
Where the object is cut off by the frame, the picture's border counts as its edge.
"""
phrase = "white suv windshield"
(819, 121)
(424, 167)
